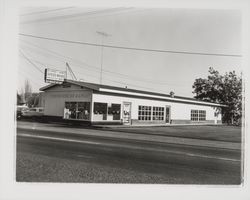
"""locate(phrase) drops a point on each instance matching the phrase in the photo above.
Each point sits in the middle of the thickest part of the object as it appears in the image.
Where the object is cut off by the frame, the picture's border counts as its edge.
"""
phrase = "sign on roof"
(54, 76)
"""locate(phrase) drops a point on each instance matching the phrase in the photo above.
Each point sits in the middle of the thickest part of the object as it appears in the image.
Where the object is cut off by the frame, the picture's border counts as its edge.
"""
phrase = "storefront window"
(83, 111)
(100, 110)
(77, 110)
(114, 110)
(71, 106)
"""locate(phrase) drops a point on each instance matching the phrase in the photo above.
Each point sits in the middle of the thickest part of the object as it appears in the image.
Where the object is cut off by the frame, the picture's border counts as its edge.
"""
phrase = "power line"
(33, 64)
(84, 17)
(95, 76)
(64, 57)
(104, 11)
(126, 84)
(28, 72)
(96, 69)
(123, 83)
(26, 77)
(46, 11)
(129, 48)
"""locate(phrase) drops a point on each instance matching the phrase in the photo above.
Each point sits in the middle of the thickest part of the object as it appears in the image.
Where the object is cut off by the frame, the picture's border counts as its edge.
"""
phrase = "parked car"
(33, 112)
(19, 110)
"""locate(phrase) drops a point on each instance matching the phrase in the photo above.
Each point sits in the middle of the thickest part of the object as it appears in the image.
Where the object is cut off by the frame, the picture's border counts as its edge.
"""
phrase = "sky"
(176, 30)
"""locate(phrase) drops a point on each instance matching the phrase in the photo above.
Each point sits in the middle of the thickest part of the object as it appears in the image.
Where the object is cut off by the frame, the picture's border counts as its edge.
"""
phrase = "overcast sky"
(180, 30)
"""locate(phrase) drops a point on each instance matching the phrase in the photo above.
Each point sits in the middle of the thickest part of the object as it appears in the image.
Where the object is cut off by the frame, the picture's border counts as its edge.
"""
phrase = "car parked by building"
(33, 112)
(19, 111)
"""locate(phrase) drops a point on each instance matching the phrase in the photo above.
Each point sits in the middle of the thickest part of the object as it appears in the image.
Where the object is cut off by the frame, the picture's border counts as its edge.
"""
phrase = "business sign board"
(54, 76)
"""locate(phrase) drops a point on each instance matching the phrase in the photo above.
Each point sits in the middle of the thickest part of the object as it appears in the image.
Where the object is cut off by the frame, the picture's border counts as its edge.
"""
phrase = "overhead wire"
(94, 68)
(95, 76)
(84, 14)
(24, 75)
(122, 83)
(33, 64)
(63, 61)
(138, 49)
(46, 11)
(27, 75)
(129, 48)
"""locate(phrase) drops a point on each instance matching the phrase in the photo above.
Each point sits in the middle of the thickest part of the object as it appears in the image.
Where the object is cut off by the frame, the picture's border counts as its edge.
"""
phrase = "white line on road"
(83, 156)
(56, 138)
(137, 148)
(213, 157)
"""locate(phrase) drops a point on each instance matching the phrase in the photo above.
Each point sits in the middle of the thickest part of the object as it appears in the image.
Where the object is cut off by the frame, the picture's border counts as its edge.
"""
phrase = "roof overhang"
(134, 93)
(161, 97)
(48, 87)
(81, 84)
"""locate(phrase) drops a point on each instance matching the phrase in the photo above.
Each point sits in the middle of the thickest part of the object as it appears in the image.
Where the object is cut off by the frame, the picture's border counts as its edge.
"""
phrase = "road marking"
(213, 157)
(137, 148)
(83, 156)
(56, 138)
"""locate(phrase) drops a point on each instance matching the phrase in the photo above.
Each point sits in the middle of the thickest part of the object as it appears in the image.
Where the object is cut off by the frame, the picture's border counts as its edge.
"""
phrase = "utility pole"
(103, 34)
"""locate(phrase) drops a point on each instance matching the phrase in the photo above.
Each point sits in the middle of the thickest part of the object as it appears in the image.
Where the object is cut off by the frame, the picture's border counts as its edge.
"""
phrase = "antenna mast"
(70, 71)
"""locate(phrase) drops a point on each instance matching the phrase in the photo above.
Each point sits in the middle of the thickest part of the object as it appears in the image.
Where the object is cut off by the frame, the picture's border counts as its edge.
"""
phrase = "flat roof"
(127, 91)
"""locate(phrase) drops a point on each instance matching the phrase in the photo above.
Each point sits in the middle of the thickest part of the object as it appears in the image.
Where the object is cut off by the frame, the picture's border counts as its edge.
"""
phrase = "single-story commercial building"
(97, 104)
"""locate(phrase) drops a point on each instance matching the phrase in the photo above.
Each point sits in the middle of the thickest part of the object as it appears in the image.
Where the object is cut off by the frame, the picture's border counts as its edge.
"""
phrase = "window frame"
(198, 115)
(144, 113)
(158, 113)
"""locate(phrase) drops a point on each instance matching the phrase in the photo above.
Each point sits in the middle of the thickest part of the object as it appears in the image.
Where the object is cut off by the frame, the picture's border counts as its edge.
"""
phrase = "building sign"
(54, 76)
(71, 95)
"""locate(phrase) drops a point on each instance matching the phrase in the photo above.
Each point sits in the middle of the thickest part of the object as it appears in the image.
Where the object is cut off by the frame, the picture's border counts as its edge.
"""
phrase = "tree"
(18, 99)
(224, 89)
(27, 90)
(33, 100)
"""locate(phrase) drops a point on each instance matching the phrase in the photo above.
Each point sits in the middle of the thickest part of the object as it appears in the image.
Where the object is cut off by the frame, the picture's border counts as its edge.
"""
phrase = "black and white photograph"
(129, 96)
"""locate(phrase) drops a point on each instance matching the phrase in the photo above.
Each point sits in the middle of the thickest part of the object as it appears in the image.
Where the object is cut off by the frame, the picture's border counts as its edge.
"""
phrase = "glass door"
(167, 114)
(127, 113)
(70, 110)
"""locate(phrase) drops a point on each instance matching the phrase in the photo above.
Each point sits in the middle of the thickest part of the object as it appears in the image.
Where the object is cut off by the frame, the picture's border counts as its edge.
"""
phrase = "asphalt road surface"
(49, 156)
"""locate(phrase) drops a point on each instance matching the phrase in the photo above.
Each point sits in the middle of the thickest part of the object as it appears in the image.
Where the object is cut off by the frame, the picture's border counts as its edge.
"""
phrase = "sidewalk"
(129, 136)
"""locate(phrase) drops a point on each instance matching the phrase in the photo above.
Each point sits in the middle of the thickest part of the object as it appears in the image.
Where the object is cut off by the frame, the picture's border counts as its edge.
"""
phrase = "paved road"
(57, 156)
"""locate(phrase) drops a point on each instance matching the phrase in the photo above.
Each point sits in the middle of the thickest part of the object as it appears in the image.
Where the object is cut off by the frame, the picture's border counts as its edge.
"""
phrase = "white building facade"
(102, 104)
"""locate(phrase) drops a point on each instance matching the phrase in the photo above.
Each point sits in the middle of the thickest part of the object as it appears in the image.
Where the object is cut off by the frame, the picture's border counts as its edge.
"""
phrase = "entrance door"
(127, 113)
(167, 119)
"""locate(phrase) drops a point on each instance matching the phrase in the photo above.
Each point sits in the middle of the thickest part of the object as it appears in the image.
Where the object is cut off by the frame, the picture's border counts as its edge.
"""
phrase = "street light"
(103, 34)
